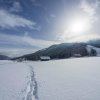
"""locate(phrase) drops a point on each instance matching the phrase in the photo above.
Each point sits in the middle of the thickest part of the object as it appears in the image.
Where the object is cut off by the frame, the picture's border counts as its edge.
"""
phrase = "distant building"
(44, 58)
(20, 59)
(77, 55)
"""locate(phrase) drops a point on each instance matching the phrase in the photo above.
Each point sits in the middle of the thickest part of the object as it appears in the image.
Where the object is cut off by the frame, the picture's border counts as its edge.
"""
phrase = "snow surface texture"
(17, 81)
(69, 79)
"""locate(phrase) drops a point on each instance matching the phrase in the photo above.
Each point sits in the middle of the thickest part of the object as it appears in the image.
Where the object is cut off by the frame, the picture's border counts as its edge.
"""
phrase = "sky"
(29, 25)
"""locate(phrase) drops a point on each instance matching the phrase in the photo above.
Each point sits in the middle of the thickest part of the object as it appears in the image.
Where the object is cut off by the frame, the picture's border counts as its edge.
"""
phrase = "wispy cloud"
(16, 52)
(90, 8)
(79, 38)
(19, 43)
(24, 40)
(9, 20)
(16, 7)
(89, 12)
(50, 18)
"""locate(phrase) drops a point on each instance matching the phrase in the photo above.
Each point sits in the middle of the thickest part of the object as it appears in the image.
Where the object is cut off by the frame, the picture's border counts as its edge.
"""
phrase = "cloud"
(89, 12)
(16, 7)
(79, 38)
(24, 40)
(90, 8)
(50, 18)
(13, 45)
(9, 20)
(16, 52)
(41, 44)
(37, 42)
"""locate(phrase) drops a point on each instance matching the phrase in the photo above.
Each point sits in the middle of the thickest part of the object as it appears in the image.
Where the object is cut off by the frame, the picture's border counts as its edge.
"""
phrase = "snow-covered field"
(13, 80)
(68, 79)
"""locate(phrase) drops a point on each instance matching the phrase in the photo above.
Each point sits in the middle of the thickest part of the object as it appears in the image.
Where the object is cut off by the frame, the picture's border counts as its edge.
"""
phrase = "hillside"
(3, 57)
(61, 51)
(95, 43)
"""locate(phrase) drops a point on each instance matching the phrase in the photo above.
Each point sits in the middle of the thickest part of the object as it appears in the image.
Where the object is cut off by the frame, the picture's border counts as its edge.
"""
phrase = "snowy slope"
(69, 79)
(89, 47)
(16, 81)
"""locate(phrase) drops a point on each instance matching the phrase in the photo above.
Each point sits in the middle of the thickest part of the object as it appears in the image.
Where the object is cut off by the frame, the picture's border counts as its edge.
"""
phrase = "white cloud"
(34, 44)
(16, 7)
(9, 20)
(24, 40)
(79, 38)
(16, 52)
(90, 8)
(37, 42)
(89, 12)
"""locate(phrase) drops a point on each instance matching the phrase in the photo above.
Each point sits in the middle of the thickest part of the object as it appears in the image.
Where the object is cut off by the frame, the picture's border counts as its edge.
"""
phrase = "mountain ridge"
(61, 51)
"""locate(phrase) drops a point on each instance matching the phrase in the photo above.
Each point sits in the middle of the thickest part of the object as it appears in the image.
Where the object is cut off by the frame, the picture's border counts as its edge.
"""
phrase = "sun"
(78, 26)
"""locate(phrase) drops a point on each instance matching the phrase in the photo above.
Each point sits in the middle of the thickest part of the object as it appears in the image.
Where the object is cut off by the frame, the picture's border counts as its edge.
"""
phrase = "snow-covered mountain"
(92, 49)
(3, 57)
(59, 51)
(64, 50)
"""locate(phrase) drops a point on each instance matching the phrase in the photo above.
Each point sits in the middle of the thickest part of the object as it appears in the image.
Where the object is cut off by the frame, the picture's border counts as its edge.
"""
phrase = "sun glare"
(78, 26)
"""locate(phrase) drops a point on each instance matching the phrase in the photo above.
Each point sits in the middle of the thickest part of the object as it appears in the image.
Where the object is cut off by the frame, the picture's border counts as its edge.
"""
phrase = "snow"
(68, 79)
(45, 57)
(89, 47)
(13, 79)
